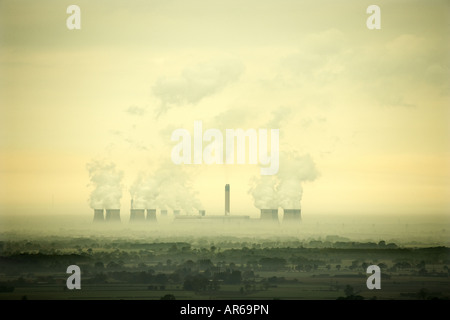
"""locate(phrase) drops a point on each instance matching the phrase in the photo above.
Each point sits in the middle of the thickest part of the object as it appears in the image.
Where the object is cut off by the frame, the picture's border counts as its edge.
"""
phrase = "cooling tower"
(227, 199)
(137, 215)
(98, 215)
(151, 214)
(292, 215)
(269, 214)
(164, 212)
(113, 215)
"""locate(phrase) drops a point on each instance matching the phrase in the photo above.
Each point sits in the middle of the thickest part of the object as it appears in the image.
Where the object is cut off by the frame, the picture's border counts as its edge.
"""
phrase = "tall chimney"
(98, 215)
(227, 199)
(113, 215)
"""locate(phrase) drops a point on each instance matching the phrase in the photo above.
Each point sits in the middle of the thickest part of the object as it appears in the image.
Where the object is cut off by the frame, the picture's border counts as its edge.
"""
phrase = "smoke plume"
(285, 189)
(169, 187)
(264, 192)
(107, 183)
(196, 83)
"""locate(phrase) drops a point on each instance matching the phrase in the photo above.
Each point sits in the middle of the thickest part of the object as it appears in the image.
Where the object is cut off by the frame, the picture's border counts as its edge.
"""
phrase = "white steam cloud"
(107, 183)
(168, 188)
(285, 189)
(196, 83)
(264, 192)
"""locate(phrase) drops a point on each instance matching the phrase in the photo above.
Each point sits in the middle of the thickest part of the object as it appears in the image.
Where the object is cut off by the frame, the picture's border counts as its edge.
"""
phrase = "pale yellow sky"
(371, 107)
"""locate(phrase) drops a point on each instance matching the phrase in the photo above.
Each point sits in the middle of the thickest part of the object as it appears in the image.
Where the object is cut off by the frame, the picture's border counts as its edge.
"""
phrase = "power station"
(151, 215)
(138, 215)
(292, 215)
(269, 215)
(98, 215)
(113, 215)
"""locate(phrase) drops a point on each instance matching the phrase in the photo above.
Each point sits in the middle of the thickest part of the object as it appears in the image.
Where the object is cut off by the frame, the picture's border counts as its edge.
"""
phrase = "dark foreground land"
(228, 268)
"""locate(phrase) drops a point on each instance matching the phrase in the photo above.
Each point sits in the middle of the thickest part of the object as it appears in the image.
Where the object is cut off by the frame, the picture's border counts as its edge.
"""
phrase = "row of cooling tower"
(137, 215)
(289, 214)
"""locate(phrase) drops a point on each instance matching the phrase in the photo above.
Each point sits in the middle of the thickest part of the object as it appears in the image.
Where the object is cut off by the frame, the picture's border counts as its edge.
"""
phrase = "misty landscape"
(316, 259)
(224, 150)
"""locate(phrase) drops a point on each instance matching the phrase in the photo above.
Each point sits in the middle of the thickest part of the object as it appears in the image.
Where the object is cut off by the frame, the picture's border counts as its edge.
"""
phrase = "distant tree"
(175, 277)
(382, 244)
(112, 265)
(423, 272)
(354, 264)
(205, 263)
(213, 285)
(189, 264)
(349, 291)
(338, 267)
(350, 294)
(382, 266)
(195, 283)
(168, 297)
(422, 294)
(161, 278)
(421, 265)
(99, 278)
(234, 277)
(8, 288)
(273, 263)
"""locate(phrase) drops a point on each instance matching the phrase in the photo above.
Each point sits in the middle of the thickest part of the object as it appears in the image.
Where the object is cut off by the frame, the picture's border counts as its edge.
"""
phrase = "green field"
(223, 268)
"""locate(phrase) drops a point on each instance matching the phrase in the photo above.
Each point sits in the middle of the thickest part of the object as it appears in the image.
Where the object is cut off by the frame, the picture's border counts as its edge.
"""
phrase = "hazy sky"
(370, 108)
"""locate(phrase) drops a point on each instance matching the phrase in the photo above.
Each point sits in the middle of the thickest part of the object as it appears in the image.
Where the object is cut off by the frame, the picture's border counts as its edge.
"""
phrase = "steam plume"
(107, 183)
(168, 188)
(285, 189)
